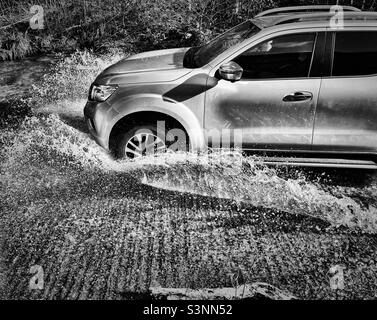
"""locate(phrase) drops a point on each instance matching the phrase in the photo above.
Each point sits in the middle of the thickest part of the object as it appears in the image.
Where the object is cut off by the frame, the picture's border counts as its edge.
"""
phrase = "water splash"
(262, 186)
(49, 142)
(56, 137)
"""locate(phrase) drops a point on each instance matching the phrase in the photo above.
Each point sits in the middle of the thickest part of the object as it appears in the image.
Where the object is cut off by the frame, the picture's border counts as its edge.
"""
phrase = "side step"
(320, 162)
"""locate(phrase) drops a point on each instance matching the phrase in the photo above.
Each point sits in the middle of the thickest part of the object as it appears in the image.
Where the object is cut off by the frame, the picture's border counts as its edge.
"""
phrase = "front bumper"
(97, 119)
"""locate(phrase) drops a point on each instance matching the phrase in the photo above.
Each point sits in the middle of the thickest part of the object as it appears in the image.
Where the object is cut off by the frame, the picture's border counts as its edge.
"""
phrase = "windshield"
(197, 57)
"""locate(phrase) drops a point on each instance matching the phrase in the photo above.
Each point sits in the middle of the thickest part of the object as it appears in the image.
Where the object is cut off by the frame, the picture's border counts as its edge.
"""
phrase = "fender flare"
(157, 103)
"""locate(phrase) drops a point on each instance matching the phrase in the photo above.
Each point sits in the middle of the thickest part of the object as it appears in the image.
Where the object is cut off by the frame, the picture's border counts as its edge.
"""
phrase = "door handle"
(298, 96)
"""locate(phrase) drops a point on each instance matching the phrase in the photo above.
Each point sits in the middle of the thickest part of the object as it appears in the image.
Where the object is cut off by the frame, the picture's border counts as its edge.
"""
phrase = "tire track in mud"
(224, 238)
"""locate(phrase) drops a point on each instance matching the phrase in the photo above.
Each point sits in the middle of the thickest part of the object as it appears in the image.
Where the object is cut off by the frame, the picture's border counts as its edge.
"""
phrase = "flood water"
(102, 228)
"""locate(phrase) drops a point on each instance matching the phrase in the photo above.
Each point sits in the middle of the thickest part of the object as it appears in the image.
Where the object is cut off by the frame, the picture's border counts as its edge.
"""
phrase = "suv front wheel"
(145, 140)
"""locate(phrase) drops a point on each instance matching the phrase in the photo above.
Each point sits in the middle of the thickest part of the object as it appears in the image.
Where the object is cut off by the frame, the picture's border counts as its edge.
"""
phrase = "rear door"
(346, 116)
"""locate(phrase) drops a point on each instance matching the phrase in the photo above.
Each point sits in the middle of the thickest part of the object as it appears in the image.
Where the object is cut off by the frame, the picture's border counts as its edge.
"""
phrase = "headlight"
(101, 93)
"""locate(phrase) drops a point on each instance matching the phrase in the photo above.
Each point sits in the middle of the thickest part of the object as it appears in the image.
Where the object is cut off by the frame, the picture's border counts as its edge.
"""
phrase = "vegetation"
(130, 25)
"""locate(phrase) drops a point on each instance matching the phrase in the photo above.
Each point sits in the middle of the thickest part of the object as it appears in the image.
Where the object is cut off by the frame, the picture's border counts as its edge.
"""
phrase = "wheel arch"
(141, 106)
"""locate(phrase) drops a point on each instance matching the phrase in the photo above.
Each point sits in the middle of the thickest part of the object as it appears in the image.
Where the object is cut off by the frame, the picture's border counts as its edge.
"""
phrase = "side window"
(286, 56)
(355, 53)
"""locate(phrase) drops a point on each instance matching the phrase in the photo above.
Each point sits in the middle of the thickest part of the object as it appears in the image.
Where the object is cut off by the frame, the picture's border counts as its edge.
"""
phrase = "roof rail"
(302, 9)
(347, 16)
(264, 22)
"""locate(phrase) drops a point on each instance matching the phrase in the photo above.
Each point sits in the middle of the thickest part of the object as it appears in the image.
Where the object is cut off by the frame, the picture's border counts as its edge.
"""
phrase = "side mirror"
(231, 71)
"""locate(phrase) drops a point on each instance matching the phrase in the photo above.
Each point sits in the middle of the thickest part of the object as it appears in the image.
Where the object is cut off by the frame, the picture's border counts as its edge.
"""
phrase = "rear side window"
(355, 54)
(286, 56)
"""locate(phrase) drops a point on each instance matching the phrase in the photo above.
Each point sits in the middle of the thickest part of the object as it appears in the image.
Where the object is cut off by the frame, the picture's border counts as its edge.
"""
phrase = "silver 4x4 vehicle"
(289, 83)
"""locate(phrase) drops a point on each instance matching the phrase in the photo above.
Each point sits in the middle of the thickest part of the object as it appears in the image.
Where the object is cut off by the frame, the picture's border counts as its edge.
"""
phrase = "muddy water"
(101, 228)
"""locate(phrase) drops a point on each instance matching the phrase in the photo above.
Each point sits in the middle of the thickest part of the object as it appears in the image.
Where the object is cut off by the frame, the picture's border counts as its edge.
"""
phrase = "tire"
(146, 135)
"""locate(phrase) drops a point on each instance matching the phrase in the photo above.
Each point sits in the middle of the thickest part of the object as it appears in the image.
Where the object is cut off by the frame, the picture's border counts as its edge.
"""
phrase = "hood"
(158, 60)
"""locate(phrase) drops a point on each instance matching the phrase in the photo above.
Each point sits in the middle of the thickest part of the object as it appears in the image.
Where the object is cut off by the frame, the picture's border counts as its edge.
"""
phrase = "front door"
(274, 103)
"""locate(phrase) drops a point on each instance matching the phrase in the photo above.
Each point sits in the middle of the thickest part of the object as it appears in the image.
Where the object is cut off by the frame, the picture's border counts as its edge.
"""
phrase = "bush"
(129, 25)
(15, 45)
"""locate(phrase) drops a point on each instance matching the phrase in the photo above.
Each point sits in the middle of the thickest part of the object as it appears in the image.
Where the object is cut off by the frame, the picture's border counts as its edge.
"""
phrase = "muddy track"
(104, 235)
